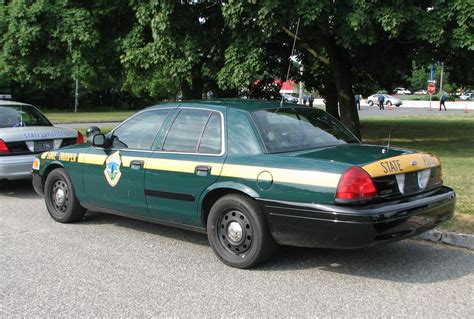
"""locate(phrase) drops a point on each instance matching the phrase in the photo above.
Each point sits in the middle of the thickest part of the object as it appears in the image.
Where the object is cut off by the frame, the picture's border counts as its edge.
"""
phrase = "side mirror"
(99, 140)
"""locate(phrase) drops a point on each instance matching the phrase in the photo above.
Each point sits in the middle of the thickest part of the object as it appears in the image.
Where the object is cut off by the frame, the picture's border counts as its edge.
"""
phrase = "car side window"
(242, 139)
(211, 139)
(195, 131)
(139, 132)
(186, 130)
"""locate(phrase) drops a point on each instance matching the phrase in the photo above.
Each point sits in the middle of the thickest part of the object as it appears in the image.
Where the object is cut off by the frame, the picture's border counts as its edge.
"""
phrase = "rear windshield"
(21, 116)
(295, 129)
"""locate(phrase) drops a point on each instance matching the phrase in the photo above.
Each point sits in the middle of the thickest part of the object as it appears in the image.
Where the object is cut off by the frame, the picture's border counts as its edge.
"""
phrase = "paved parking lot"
(114, 266)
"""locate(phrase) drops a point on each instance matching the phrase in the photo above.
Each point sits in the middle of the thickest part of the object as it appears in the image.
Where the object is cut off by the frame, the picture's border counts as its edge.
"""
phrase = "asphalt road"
(113, 266)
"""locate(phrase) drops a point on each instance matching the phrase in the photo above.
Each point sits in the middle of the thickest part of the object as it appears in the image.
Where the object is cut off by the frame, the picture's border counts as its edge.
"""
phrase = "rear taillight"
(355, 184)
(4, 148)
(80, 138)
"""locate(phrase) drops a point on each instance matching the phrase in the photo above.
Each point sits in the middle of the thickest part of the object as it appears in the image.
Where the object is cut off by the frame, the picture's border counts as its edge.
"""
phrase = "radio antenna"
(289, 59)
(388, 143)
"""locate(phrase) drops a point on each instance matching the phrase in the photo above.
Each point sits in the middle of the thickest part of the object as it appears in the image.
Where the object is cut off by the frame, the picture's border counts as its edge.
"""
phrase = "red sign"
(431, 88)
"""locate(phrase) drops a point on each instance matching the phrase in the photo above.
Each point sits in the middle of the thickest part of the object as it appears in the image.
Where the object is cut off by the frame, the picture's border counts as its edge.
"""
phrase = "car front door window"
(139, 132)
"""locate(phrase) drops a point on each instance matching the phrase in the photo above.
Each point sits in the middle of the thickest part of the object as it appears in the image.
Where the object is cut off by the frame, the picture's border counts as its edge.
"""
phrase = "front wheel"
(60, 198)
(238, 232)
(389, 103)
(371, 103)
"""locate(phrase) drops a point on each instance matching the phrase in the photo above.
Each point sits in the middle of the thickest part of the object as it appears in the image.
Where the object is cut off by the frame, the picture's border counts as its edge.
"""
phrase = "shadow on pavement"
(406, 261)
(18, 189)
(93, 218)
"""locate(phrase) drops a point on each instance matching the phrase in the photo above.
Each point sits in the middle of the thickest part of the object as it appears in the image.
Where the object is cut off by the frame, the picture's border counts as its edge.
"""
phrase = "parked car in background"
(401, 91)
(25, 132)
(288, 98)
(467, 96)
(421, 92)
(389, 100)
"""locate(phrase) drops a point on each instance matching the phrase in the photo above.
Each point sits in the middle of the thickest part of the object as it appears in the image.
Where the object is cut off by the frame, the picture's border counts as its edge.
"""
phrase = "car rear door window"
(195, 131)
(212, 136)
(139, 132)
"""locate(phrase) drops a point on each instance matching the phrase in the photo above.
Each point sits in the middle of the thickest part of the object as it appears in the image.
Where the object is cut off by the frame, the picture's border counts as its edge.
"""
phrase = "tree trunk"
(330, 95)
(342, 74)
(194, 90)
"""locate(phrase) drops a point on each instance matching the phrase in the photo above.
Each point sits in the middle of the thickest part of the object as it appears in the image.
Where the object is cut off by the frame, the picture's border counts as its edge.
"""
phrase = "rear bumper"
(342, 227)
(16, 166)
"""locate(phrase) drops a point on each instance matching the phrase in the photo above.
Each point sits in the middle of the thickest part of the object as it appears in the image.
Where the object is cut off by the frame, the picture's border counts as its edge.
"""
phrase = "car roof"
(8, 102)
(240, 104)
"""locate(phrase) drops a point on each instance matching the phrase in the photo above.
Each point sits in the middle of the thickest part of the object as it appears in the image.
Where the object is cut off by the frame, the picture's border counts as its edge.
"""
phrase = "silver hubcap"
(234, 232)
(59, 197)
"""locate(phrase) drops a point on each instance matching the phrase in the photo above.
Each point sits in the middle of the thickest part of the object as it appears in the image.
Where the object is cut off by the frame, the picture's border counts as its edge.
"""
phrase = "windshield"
(295, 129)
(21, 115)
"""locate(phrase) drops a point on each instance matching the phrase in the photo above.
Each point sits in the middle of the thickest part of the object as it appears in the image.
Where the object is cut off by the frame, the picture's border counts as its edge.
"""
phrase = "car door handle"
(137, 164)
(202, 170)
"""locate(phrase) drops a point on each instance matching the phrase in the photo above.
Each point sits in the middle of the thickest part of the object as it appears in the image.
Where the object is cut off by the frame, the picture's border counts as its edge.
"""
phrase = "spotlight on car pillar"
(91, 131)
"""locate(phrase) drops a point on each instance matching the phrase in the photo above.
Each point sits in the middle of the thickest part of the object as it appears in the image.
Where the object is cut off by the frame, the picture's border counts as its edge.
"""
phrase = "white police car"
(25, 132)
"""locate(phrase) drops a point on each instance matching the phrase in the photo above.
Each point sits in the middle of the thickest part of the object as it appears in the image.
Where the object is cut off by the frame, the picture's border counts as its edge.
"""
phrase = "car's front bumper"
(344, 227)
(16, 166)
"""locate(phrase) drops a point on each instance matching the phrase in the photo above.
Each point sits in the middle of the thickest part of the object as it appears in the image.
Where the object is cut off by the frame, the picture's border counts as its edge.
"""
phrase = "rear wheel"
(60, 198)
(238, 232)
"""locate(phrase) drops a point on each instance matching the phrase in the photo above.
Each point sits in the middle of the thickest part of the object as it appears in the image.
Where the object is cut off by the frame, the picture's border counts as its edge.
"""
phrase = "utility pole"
(301, 91)
(441, 80)
(76, 96)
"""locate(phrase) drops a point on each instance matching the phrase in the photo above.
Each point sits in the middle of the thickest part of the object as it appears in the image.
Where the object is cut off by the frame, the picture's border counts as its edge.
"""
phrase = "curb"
(449, 238)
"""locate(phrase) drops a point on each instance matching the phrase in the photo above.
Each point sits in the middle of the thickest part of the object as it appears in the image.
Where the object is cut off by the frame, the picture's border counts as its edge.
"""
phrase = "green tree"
(175, 47)
(359, 41)
(46, 45)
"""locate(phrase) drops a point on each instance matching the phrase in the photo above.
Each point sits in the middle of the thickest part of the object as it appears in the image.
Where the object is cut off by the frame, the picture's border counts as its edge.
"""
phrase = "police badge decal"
(112, 169)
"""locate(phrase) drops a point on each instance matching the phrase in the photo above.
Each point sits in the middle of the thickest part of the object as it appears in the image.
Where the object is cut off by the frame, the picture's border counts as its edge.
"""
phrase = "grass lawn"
(450, 137)
(87, 117)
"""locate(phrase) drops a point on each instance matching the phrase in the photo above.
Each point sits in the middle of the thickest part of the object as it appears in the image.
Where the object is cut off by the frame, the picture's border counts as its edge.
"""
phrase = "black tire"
(61, 201)
(371, 103)
(255, 245)
(389, 103)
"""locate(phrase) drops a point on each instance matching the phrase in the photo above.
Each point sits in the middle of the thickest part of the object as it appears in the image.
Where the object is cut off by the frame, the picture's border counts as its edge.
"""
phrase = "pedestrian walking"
(311, 100)
(442, 100)
(357, 100)
(381, 100)
(305, 99)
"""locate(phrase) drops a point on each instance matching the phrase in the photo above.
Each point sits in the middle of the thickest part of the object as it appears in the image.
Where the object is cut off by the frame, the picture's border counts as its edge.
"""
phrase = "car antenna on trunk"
(289, 59)
(386, 149)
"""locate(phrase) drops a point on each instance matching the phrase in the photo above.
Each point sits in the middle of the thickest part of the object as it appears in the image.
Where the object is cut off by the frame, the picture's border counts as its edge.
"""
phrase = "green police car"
(250, 174)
